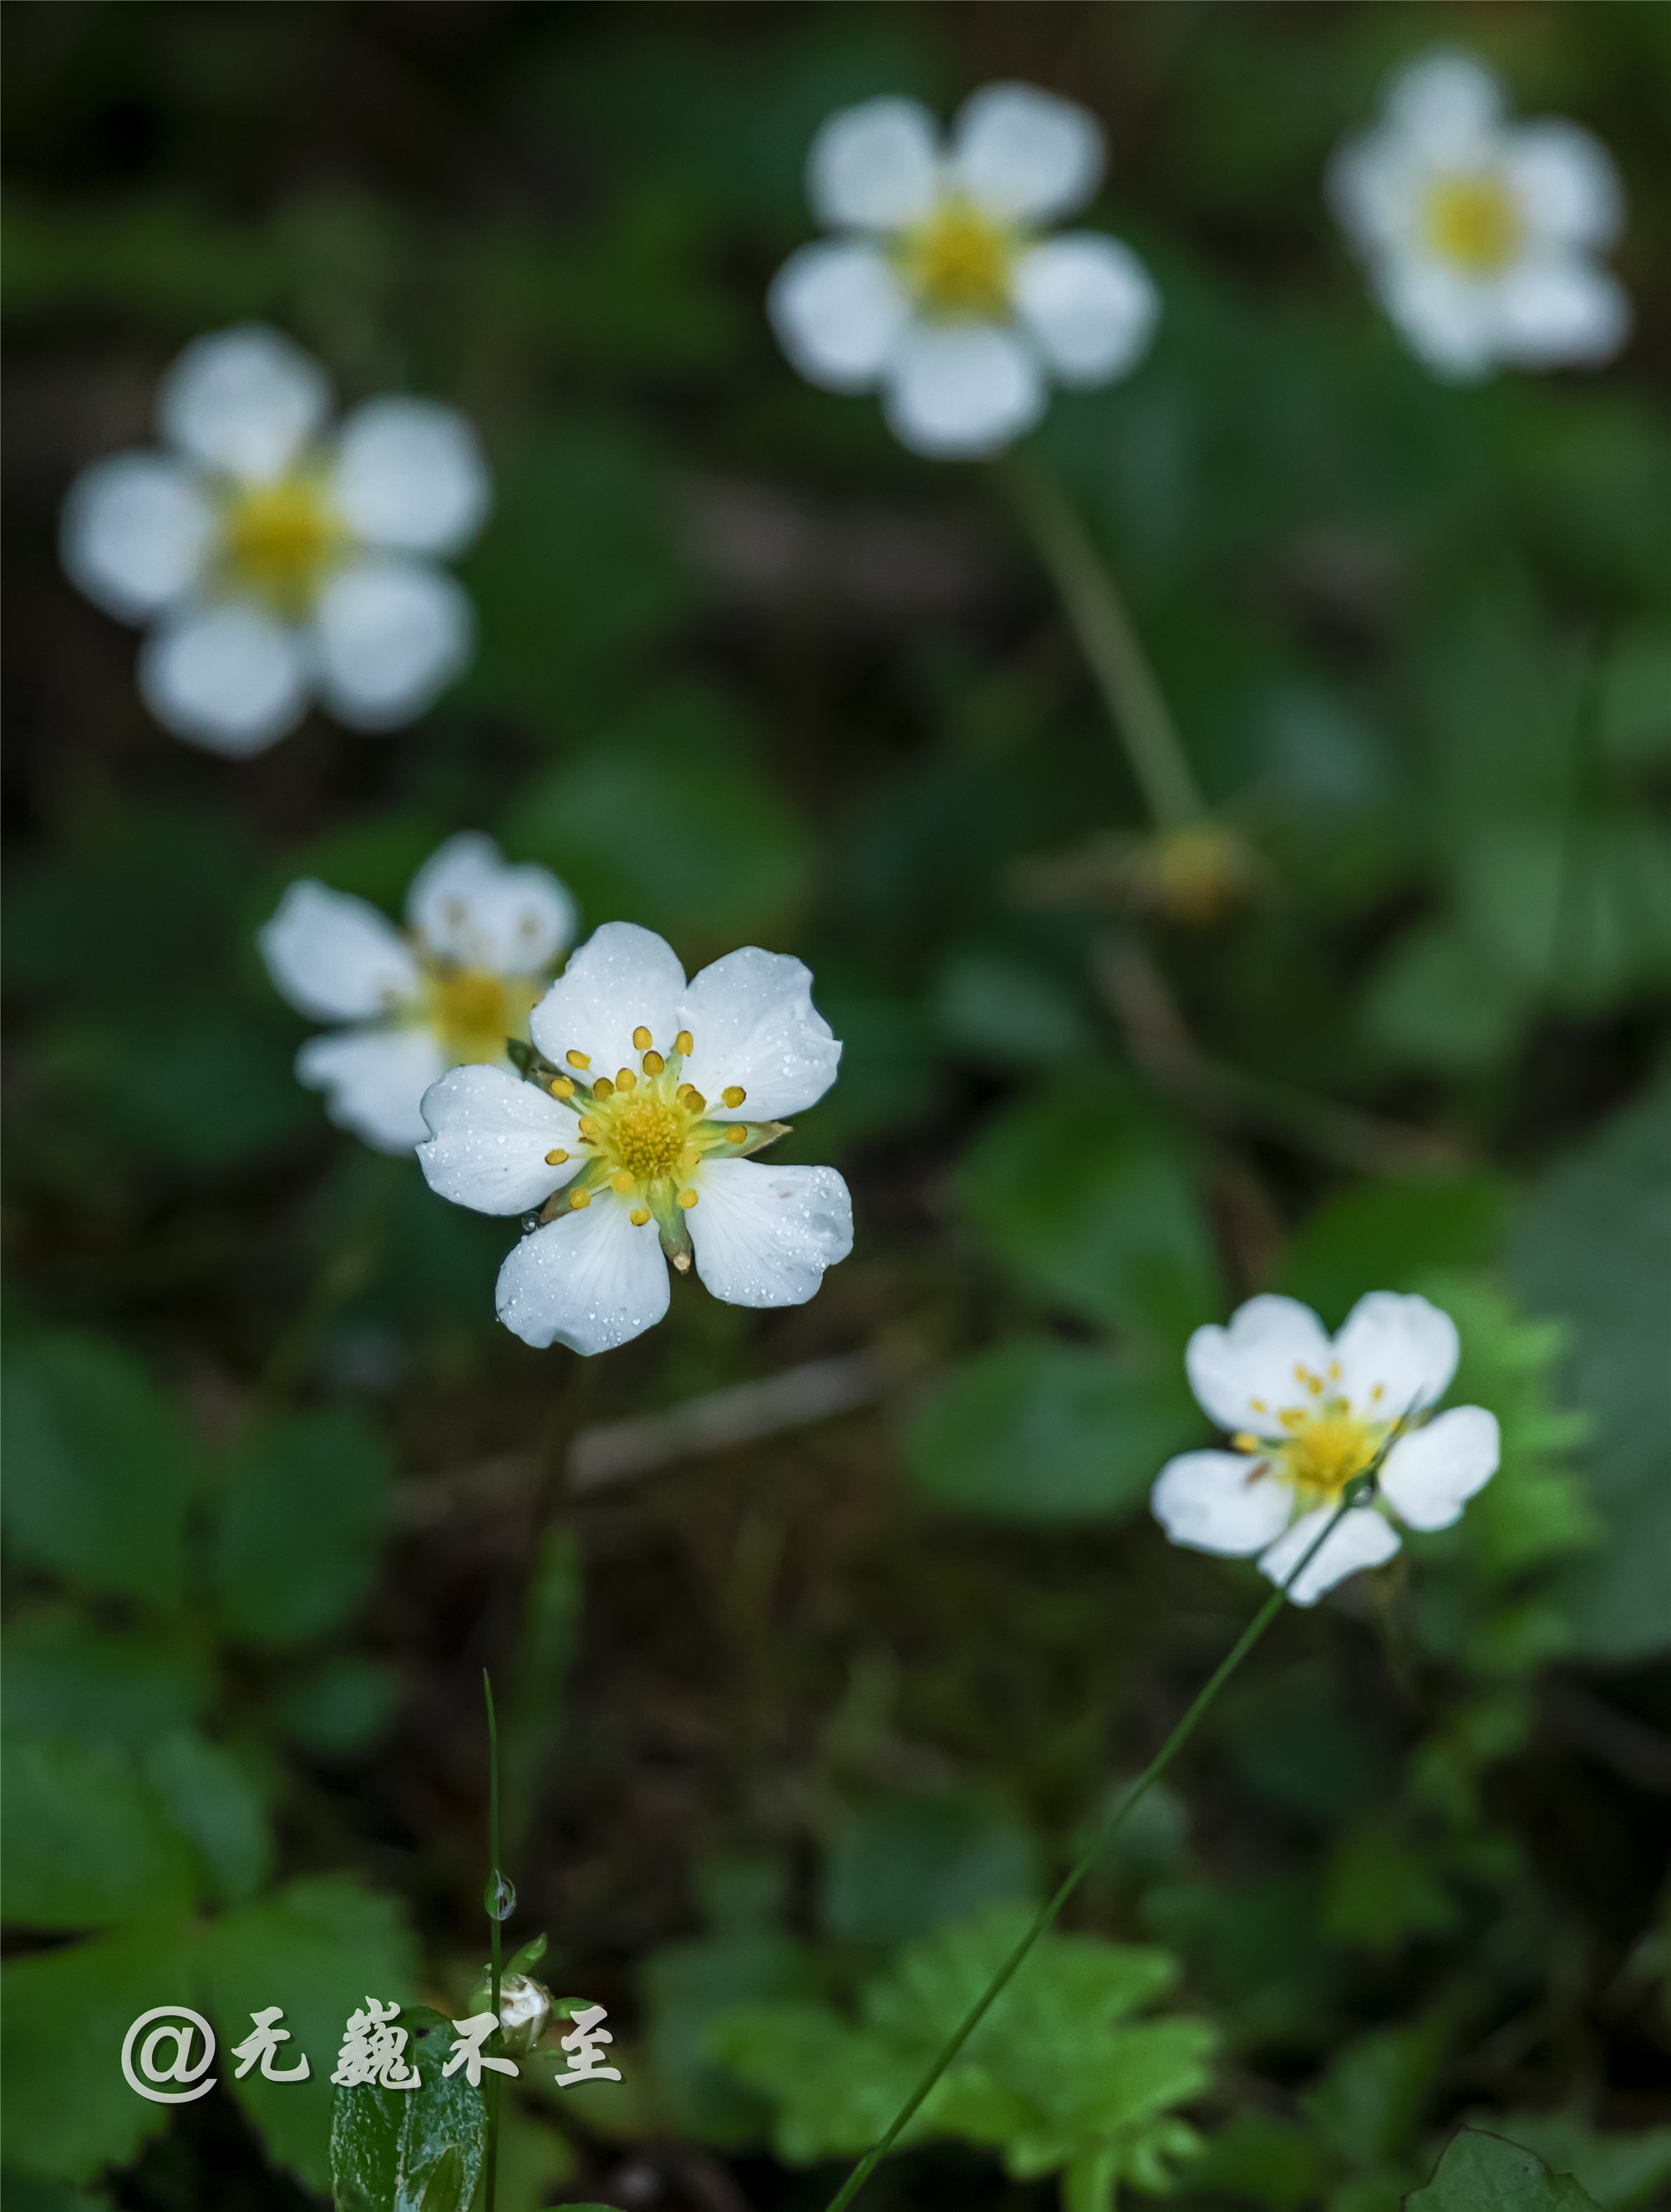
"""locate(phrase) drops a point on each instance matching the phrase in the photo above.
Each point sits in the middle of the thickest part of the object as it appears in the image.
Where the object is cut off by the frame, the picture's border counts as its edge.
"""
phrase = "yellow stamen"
(555, 1159)
(687, 1199)
(1258, 1405)
(580, 1199)
(639, 1216)
(640, 1039)
(737, 1134)
(684, 1042)
(734, 1094)
(622, 1180)
(957, 262)
(695, 1102)
(1473, 220)
(562, 1087)
(578, 1058)
(281, 540)
(1243, 1442)
(625, 1079)
(589, 1126)
(603, 1089)
(654, 1063)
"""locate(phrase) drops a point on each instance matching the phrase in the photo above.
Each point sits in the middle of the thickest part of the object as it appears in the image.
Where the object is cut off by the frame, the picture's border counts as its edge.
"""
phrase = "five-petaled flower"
(1480, 232)
(1309, 1416)
(276, 564)
(456, 988)
(630, 1141)
(940, 291)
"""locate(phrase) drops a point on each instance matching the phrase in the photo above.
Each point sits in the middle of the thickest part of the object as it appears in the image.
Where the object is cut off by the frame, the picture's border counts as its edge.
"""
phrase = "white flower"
(1480, 233)
(1308, 1415)
(631, 1142)
(941, 292)
(274, 563)
(477, 951)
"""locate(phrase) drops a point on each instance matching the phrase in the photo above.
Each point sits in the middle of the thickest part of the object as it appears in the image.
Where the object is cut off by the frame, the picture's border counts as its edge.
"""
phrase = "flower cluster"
(273, 563)
(480, 942)
(629, 1143)
(1310, 1415)
(941, 291)
(1480, 233)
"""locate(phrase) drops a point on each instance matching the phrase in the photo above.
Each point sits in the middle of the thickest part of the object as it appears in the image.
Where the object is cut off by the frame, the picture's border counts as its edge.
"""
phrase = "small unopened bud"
(524, 2006)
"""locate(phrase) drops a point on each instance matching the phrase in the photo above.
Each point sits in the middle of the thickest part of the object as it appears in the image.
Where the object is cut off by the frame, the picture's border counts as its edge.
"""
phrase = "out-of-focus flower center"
(473, 1011)
(957, 263)
(1322, 1445)
(280, 541)
(646, 1131)
(1473, 220)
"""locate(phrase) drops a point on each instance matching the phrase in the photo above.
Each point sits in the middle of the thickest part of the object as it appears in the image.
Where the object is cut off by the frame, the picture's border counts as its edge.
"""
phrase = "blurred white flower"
(634, 1151)
(274, 563)
(941, 292)
(480, 940)
(1478, 233)
(1308, 1416)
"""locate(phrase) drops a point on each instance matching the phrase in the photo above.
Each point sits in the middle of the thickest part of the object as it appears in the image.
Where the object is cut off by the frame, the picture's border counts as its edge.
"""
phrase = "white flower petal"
(960, 392)
(1024, 153)
(589, 1281)
(1560, 308)
(1397, 1355)
(228, 677)
(134, 530)
(838, 311)
(1447, 103)
(335, 957)
(622, 978)
(489, 1136)
(1449, 320)
(1429, 1475)
(752, 1021)
(1243, 1376)
(392, 634)
(1364, 1539)
(1090, 305)
(874, 166)
(1374, 183)
(1217, 1501)
(374, 1081)
(471, 906)
(764, 1236)
(411, 474)
(244, 401)
(1568, 187)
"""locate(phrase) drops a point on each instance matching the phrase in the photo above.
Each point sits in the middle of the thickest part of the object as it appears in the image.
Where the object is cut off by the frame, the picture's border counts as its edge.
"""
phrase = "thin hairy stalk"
(490, 2179)
(1049, 1914)
(1091, 600)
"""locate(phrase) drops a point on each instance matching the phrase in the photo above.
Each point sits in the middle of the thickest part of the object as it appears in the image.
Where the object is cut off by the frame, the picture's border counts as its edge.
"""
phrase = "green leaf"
(99, 1467)
(1055, 1434)
(1381, 1887)
(68, 2110)
(1636, 696)
(1088, 1198)
(1481, 2172)
(1593, 1248)
(216, 1801)
(1624, 2170)
(411, 2150)
(1366, 2106)
(87, 1843)
(667, 817)
(1379, 1235)
(1277, 2164)
(298, 1526)
(62, 1675)
(27, 2192)
(343, 1704)
(1438, 1003)
(318, 1947)
(904, 1865)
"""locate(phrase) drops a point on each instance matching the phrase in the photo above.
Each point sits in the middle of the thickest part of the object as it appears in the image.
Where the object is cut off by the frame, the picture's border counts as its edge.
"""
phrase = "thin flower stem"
(490, 2183)
(1135, 703)
(1105, 1834)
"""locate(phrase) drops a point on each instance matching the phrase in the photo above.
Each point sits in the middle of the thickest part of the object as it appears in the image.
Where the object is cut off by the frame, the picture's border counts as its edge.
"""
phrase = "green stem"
(1105, 1834)
(491, 2188)
(1135, 703)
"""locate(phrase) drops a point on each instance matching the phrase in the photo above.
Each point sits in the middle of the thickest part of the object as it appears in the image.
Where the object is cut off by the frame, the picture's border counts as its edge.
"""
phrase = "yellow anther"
(684, 1042)
(562, 1087)
(625, 1079)
(685, 1091)
(1334, 1371)
(695, 1103)
(603, 1089)
(1377, 1394)
(1300, 1372)
(1292, 1417)
(737, 1134)
(734, 1094)
(639, 1216)
(555, 1159)
(1243, 1442)
(1314, 1384)
(580, 1199)
(1258, 1405)
(640, 1039)
(654, 1062)
(687, 1199)
(622, 1180)
(589, 1126)
(578, 1058)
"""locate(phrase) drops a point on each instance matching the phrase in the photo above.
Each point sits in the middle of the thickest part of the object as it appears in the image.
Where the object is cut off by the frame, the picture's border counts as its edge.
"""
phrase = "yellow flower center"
(473, 1010)
(1473, 220)
(1326, 1450)
(280, 541)
(645, 1132)
(957, 263)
